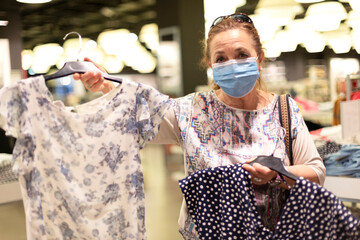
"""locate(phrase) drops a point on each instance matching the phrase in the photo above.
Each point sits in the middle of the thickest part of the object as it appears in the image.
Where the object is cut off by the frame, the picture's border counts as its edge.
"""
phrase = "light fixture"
(272, 49)
(26, 59)
(45, 56)
(339, 40)
(325, 16)
(283, 11)
(265, 26)
(33, 1)
(214, 9)
(354, 19)
(355, 4)
(114, 41)
(299, 28)
(308, 1)
(355, 35)
(286, 41)
(314, 41)
(113, 64)
(149, 34)
(3, 23)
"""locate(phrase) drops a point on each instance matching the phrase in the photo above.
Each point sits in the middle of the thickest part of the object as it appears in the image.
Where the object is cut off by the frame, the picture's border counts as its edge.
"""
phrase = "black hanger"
(72, 67)
(275, 164)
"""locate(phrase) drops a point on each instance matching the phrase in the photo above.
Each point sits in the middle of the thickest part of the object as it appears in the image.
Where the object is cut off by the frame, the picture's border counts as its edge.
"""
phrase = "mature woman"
(236, 121)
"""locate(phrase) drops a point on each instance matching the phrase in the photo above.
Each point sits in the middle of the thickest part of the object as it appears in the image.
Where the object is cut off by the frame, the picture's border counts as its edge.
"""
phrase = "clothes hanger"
(72, 67)
(274, 164)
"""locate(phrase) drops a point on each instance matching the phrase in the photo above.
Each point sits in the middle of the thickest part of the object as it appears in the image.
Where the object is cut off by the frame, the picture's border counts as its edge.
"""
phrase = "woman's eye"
(243, 55)
(219, 59)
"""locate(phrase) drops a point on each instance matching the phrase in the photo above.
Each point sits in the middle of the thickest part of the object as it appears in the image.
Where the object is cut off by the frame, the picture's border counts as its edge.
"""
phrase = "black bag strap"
(285, 121)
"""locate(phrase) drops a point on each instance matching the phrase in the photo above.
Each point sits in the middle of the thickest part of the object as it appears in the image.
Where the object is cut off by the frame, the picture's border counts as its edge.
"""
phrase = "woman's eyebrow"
(241, 49)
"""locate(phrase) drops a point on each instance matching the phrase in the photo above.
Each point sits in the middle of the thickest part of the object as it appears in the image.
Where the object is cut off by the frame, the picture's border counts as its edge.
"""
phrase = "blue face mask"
(236, 77)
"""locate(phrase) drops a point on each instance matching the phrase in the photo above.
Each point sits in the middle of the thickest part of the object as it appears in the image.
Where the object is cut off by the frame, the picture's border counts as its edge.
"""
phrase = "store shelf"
(345, 188)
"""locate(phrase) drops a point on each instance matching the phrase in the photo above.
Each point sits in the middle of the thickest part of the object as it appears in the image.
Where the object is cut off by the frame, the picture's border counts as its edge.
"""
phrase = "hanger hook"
(80, 42)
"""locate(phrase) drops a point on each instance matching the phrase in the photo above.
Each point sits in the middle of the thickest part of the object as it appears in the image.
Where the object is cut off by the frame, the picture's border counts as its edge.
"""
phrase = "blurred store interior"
(312, 50)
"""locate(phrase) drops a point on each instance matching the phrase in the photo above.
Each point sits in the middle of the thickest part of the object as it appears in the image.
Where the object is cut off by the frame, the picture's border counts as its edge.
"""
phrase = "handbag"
(285, 121)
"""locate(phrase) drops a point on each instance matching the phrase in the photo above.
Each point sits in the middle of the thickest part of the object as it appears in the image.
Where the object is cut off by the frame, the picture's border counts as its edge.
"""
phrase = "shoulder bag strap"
(285, 121)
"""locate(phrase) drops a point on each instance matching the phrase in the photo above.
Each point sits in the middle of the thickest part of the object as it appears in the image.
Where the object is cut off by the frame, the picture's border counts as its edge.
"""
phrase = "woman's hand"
(260, 174)
(93, 81)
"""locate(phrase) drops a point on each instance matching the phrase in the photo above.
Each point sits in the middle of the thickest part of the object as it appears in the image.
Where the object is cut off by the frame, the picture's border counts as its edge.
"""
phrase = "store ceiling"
(50, 22)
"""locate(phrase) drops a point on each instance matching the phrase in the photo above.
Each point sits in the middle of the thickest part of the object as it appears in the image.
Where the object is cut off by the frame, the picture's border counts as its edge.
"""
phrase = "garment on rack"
(80, 171)
(222, 204)
(344, 162)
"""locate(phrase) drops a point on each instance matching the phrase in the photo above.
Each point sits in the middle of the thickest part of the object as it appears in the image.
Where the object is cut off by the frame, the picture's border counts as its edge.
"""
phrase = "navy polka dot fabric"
(221, 203)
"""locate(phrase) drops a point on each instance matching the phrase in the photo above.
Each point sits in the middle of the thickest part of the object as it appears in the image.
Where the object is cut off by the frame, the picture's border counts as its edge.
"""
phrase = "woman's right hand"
(93, 81)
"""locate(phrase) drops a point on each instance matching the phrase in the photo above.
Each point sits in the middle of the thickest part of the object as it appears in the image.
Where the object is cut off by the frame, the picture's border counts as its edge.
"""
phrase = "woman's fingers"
(92, 80)
(259, 173)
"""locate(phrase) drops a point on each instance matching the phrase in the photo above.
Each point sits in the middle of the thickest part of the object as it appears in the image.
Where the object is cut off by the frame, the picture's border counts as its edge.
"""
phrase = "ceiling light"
(339, 40)
(4, 23)
(299, 29)
(272, 49)
(308, 1)
(214, 9)
(355, 35)
(354, 19)
(33, 1)
(48, 53)
(355, 4)
(283, 11)
(265, 26)
(286, 41)
(26, 59)
(149, 34)
(314, 42)
(325, 16)
(114, 41)
(113, 64)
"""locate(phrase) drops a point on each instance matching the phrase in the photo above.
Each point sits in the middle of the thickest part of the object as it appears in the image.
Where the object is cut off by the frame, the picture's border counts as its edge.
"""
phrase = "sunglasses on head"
(239, 17)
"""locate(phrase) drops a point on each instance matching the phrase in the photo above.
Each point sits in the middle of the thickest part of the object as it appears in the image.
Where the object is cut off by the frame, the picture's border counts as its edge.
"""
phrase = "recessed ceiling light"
(33, 1)
(4, 23)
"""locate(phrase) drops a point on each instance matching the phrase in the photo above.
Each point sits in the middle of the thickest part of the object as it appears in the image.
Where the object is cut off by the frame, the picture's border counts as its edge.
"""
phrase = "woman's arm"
(307, 163)
(169, 132)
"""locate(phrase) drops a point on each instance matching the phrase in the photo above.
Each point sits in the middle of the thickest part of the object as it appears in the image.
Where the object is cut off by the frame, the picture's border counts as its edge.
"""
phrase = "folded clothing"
(345, 162)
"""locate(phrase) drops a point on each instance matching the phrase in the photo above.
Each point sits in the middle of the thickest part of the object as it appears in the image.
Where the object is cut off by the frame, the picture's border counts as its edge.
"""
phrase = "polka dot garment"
(222, 204)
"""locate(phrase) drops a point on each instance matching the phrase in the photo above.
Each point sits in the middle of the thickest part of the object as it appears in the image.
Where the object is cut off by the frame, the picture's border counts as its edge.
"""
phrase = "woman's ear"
(261, 58)
(208, 63)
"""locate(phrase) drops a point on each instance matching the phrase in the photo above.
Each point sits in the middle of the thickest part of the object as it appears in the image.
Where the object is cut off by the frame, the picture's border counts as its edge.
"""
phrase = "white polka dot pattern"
(222, 204)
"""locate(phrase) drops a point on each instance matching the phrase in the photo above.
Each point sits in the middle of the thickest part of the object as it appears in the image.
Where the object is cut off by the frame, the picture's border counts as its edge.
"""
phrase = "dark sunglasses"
(239, 17)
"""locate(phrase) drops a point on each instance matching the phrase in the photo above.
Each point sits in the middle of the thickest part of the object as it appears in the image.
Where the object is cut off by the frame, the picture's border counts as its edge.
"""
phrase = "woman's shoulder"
(195, 96)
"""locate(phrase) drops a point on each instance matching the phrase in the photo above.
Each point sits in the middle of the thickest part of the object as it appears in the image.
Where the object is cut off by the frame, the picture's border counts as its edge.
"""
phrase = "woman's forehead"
(233, 38)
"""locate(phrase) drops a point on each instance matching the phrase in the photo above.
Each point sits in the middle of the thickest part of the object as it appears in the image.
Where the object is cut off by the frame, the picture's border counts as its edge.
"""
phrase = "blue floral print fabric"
(79, 169)
(221, 202)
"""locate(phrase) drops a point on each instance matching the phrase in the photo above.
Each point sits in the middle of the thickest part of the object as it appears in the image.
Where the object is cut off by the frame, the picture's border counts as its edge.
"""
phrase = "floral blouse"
(79, 169)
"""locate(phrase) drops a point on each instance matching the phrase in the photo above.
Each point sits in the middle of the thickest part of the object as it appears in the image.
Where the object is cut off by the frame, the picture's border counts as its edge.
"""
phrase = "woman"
(236, 121)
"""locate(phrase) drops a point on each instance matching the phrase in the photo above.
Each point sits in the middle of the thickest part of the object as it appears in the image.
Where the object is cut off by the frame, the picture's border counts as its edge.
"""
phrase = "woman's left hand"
(260, 174)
